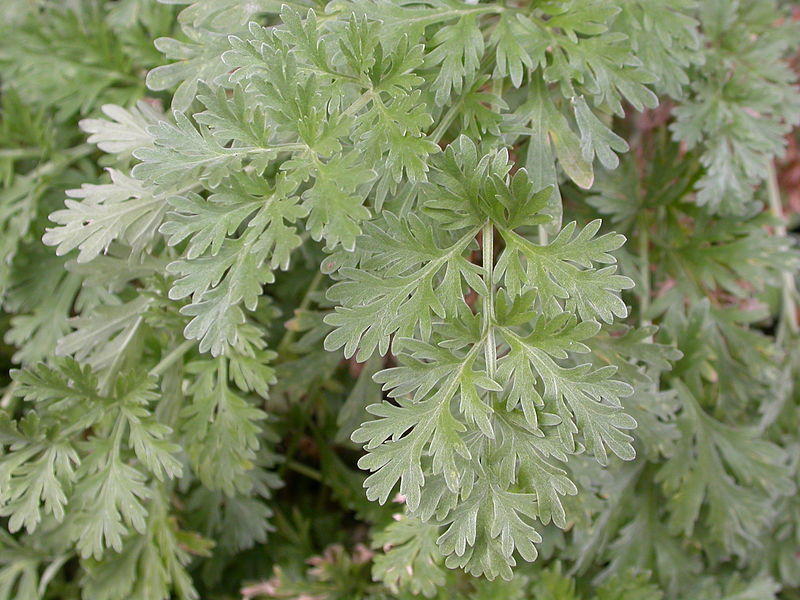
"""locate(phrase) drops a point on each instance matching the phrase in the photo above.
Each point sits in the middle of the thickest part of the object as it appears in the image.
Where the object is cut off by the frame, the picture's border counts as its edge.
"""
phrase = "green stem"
(289, 336)
(335, 74)
(222, 381)
(288, 147)
(5, 401)
(445, 122)
(304, 469)
(644, 267)
(487, 252)
(107, 381)
(543, 237)
(360, 102)
(20, 153)
(789, 290)
(64, 158)
(116, 435)
(171, 358)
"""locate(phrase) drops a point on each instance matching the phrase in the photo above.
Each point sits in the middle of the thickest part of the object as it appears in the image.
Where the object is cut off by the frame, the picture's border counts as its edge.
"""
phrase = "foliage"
(372, 299)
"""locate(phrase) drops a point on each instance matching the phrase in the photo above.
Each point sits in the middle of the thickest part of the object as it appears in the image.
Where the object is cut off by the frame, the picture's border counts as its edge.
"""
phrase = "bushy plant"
(384, 299)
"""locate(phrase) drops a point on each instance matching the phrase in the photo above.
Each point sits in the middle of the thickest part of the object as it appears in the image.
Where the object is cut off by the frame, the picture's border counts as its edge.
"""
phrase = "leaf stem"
(65, 158)
(359, 103)
(445, 122)
(5, 401)
(543, 237)
(487, 252)
(20, 153)
(116, 435)
(304, 469)
(644, 268)
(107, 381)
(171, 358)
(289, 336)
(789, 290)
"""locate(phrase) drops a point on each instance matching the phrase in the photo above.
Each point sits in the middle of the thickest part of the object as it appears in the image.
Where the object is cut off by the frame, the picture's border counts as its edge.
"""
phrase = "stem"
(20, 153)
(288, 147)
(107, 381)
(171, 358)
(445, 122)
(222, 381)
(5, 401)
(65, 158)
(334, 74)
(50, 572)
(116, 435)
(360, 102)
(289, 336)
(644, 267)
(304, 469)
(497, 90)
(789, 290)
(487, 255)
(543, 238)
